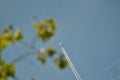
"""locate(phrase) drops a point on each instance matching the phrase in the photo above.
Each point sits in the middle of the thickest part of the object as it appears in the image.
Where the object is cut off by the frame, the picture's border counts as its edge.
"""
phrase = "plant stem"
(28, 52)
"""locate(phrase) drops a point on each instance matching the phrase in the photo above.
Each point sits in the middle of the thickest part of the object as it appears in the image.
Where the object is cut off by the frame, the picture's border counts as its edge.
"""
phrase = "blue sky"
(88, 29)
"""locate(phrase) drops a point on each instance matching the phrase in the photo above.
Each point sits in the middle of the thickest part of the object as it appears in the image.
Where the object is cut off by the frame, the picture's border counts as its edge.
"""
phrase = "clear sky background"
(88, 29)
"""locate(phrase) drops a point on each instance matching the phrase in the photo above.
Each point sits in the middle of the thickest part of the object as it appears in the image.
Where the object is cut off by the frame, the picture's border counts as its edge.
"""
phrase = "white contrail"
(70, 63)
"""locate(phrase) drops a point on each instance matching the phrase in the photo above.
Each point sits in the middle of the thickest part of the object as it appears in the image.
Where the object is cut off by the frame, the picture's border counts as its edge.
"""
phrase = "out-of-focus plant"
(61, 62)
(6, 70)
(8, 36)
(45, 30)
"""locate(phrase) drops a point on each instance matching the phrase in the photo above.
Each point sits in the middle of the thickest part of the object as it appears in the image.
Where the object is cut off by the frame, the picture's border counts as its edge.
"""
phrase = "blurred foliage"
(61, 62)
(44, 53)
(45, 30)
(6, 70)
(33, 78)
(8, 36)
(41, 58)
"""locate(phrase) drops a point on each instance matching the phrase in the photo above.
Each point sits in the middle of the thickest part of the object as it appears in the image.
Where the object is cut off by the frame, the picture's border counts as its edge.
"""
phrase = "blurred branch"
(31, 47)
(25, 54)
(28, 52)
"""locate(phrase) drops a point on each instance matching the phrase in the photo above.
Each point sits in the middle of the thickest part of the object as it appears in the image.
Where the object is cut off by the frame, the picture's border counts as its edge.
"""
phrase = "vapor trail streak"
(70, 63)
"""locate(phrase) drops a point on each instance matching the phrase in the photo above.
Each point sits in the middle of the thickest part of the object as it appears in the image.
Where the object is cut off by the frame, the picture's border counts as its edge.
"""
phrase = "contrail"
(70, 63)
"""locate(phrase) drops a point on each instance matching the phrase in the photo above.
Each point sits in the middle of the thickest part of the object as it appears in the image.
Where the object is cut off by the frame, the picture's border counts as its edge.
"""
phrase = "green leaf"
(7, 36)
(50, 51)
(10, 70)
(3, 71)
(41, 58)
(17, 36)
(45, 29)
(61, 62)
(33, 78)
(10, 27)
